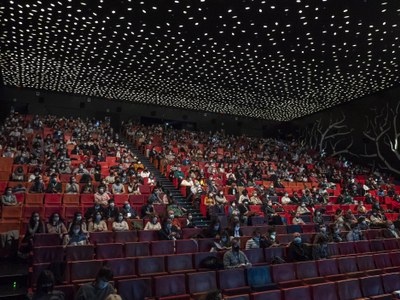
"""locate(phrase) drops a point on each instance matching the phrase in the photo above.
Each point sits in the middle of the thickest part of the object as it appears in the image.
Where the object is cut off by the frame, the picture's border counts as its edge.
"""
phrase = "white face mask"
(102, 284)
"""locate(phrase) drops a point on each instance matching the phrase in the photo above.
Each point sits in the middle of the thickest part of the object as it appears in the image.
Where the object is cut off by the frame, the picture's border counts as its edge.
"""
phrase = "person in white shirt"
(285, 199)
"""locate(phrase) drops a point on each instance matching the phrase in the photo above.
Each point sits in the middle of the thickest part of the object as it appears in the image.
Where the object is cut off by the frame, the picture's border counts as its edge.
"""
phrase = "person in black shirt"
(297, 250)
(111, 212)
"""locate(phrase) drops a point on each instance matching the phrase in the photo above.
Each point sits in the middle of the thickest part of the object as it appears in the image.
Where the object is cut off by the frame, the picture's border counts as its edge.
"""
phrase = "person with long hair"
(76, 236)
(45, 287)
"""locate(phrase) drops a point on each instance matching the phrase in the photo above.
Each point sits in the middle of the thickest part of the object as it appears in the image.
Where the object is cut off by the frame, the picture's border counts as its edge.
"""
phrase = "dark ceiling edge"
(145, 104)
(344, 104)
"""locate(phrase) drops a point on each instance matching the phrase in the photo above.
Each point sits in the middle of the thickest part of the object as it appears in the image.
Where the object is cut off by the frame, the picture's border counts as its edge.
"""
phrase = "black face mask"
(236, 248)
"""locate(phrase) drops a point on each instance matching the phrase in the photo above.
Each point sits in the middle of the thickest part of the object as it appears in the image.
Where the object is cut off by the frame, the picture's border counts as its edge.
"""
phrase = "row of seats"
(254, 283)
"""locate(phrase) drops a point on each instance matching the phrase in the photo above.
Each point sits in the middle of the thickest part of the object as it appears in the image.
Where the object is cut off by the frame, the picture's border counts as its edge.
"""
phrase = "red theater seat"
(150, 266)
(186, 246)
(162, 247)
(371, 286)
(201, 282)
(329, 269)
(272, 252)
(52, 199)
(270, 295)
(180, 263)
(391, 282)
(147, 235)
(70, 199)
(296, 293)
(391, 244)
(382, 261)
(285, 275)
(136, 199)
(122, 267)
(48, 254)
(101, 237)
(11, 212)
(233, 281)
(110, 250)
(348, 266)
(135, 289)
(366, 264)
(170, 285)
(308, 272)
(137, 249)
(125, 236)
(199, 257)
(255, 256)
(362, 246)
(376, 246)
(346, 248)
(46, 239)
(349, 289)
(84, 270)
(324, 291)
(84, 252)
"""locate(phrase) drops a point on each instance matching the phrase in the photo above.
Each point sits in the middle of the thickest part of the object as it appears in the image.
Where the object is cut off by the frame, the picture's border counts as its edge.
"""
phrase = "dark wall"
(70, 105)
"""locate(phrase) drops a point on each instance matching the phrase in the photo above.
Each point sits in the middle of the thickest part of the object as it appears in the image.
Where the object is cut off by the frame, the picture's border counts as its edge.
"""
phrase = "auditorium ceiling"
(276, 60)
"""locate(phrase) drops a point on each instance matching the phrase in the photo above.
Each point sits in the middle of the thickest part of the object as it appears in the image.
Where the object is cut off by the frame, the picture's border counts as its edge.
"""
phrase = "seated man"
(297, 250)
(391, 232)
(168, 231)
(254, 242)
(235, 258)
(99, 289)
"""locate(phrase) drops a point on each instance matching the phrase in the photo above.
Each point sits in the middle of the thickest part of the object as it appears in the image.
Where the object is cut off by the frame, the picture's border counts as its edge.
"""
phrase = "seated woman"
(153, 224)
(361, 209)
(235, 230)
(34, 226)
(78, 220)
(45, 287)
(37, 186)
(54, 187)
(120, 224)
(302, 209)
(133, 187)
(178, 210)
(76, 236)
(9, 199)
(224, 243)
(101, 197)
(98, 224)
(18, 174)
(56, 225)
(72, 187)
(297, 220)
(118, 187)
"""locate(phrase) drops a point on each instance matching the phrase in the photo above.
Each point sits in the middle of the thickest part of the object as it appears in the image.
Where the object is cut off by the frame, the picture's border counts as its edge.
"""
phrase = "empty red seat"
(377, 245)
(285, 275)
(308, 272)
(395, 258)
(296, 293)
(109, 250)
(70, 199)
(391, 282)
(101, 237)
(233, 281)
(324, 291)
(84, 270)
(69, 211)
(149, 266)
(348, 289)
(145, 189)
(329, 268)
(162, 247)
(147, 235)
(169, 285)
(237, 297)
(272, 252)
(11, 212)
(366, 264)
(255, 256)
(188, 233)
(348, 266)
(135, 289)
(84, 252)
(382, 261)
(137, 249)
(46, 239)
(136, 199)
(201, 282)
(122, 267)
(179, 263)
(34, 199)
(199, 257)
(270, 295)
(346, 248)
(125, 236)
(371, 286)
(87, 199)
(186, 246)
(48, 254)
(391, 244)
(120, 199)
(52, 199)
(362, 246)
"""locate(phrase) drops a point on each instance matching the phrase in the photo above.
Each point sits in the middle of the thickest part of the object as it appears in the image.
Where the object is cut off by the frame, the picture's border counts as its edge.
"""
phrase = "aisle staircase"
(198, 218)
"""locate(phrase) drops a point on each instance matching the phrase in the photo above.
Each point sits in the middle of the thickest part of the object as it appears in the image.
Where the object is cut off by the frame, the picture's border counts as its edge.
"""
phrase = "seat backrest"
(169, 285)
(147, 235)
(137, 249)
(84, 252)
(391, 244)
(348, 289)
(371, 286)
(347, 264)
(46, 239)
(109, 250)
(199, 257)
(382, 260)
(125, 236)
(395, 258)
(306, 269)
(365, 262)
(259, 276)
(327, 267)
(150, 265)
(283, 272)
(135, 289)
(333, 249)
(255, 256)
(272, 252)
(162, 247)
(346, 248)
(231, 278)
(324, 291)
(391, 282)
(84, 270)
(48, 254)
(270, 295)
(201, 282)
(101, 237)
(186, 246)
(179, 262)
(376, 245)
(362, 246)
(122, 267)
(296, 293)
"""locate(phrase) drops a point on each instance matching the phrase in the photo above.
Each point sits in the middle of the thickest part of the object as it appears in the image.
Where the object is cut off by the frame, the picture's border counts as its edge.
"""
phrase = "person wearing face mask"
(175, 221)
(120, 224)
(321, 240)
(224, 243)
(72, 186)
(235, 258)
(147, 209)
(236, 231)
(297, 250)
(153, 224)
(100, 289)
(54, 186)
(302, 209)
(118, 187)
(255, 199)
(169, 231)
(214, 230)
(101, 197)
(270, 240)
(111, 211)
(377, 219)
(75, 237)
(254, 242)
(78, 220)
(297, 220)
(97, 224)
(9, 199)
(56, 225)
(286, 199)
(220, 202)
(91, 212)
(317, 218)
(189, 221)
(34, 226)
(390, 232)
(355, 234)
